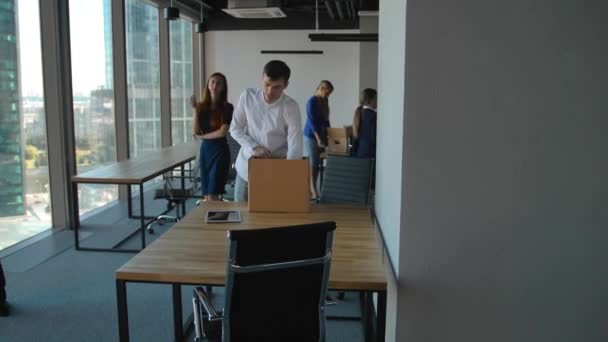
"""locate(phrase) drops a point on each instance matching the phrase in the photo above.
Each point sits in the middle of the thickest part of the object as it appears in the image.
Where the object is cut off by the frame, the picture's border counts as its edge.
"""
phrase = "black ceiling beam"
(343, 37)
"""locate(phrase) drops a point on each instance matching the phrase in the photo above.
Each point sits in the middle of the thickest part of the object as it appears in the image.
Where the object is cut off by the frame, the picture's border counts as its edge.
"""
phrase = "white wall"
(506, 196)
(237, 55)
(389, 150)
(391, 101)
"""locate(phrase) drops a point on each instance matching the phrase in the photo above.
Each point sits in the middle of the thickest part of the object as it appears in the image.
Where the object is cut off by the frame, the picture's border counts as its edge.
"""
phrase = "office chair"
(347, 180)
(234, 147)
(176, 196)
(263, 265)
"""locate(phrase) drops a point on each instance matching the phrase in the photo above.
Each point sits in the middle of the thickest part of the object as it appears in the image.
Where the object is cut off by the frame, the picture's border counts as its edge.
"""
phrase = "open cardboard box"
(279, 185)
(337, 141)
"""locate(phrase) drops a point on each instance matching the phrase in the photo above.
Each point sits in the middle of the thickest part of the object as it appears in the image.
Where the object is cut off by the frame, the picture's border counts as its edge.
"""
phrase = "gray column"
(56, 68)
(165, 79)
(121, 107)
(368, 66)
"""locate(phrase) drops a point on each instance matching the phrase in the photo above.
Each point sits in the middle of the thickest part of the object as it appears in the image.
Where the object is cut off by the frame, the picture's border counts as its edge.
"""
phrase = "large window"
(143, 79)
(92, 83)
(25, 207)
(181, 80)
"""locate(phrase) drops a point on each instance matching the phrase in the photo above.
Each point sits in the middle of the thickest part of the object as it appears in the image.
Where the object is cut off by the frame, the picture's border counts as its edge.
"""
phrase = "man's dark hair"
(276, 70)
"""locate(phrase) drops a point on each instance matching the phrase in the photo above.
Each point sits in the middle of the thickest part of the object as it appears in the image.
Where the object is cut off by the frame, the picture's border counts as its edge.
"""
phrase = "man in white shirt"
(266, 123)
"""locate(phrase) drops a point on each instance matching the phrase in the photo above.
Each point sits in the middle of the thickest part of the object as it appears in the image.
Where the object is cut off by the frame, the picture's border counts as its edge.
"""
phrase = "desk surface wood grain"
(140, 169)
(193, 252)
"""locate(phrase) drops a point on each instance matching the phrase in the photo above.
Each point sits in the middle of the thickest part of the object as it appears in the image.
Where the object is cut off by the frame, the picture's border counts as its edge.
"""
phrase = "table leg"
(123, 316)
(142, 218)
(76, 215)
(129, 202)
(366, 316)
(183, 190)
(177, 313)
(381, 316)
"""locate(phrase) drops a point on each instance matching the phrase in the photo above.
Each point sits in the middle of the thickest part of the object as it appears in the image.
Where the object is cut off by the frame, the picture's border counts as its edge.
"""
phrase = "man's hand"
(261, 152)
(193, 101)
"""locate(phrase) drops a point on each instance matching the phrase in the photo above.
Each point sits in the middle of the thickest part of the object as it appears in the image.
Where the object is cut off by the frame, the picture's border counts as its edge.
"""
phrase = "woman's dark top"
(366, 143)
(214, 154)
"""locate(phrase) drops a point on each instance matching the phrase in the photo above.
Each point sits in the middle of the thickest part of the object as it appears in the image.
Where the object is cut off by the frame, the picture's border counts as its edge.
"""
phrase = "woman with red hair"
(211, 121)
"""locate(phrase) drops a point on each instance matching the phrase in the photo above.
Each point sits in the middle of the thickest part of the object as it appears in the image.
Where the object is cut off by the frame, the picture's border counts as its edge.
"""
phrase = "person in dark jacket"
(211, 122)
(315, 131)
(4, 308)
(364, 125)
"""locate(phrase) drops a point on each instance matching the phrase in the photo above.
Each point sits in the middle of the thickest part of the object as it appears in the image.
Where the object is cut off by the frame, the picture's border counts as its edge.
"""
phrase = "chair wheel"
(150, 230)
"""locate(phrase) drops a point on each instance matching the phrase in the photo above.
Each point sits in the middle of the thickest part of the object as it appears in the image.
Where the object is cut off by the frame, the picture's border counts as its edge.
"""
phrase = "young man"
(4, 309)
(266, 123)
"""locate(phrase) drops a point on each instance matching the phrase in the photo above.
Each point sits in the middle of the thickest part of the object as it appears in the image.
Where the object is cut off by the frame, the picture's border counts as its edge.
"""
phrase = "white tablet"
(221, 216)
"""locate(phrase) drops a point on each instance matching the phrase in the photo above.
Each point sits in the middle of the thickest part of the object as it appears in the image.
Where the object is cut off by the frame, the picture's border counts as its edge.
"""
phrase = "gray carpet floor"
(60, 294)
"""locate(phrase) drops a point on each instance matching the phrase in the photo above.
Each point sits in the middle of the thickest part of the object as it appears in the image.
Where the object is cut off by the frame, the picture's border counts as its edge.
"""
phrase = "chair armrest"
(204, 298)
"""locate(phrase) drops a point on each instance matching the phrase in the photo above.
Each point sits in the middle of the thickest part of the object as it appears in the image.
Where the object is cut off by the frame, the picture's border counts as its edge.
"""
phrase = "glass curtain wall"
(143, 78)
(93, 94)
(25, 207)
(181, 80)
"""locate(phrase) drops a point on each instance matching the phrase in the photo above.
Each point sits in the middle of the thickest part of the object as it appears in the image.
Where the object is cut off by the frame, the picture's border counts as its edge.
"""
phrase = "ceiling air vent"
(254, 9)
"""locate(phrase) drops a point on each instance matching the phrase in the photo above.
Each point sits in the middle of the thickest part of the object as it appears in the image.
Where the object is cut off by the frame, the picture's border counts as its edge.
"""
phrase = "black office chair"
(347, 180)
(176, 196)
(234, 147)
(266, 264)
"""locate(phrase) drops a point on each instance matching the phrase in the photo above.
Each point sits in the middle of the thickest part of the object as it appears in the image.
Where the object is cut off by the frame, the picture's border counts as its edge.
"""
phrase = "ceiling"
(333, 14)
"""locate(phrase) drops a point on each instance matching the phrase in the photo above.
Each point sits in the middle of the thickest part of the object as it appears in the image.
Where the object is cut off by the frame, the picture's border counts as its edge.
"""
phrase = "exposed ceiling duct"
(275, 14)
(254, 9)
(339, 10)
(330, 10)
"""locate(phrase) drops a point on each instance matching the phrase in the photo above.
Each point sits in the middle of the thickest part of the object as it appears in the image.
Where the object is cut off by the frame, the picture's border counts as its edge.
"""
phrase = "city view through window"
(25, 207)
(181, 80)
(93, 96)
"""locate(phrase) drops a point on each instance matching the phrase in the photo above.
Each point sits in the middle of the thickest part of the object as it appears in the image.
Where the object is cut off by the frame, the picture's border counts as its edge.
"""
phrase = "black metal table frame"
(374, 328)
(141, 215)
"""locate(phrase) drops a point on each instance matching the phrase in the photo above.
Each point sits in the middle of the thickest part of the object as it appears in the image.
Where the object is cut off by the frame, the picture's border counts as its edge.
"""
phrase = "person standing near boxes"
(266, 123)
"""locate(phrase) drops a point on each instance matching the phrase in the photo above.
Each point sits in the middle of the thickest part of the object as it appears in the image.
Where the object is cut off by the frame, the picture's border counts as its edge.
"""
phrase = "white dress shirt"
(276, 126)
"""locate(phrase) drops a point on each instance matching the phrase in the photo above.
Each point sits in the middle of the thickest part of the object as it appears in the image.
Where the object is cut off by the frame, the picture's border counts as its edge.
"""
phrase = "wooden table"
(134, 171)
(194, 253)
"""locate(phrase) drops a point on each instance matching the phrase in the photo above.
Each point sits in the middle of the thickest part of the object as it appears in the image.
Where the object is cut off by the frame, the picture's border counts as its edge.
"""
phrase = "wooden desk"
(193, 252)
(134, 171)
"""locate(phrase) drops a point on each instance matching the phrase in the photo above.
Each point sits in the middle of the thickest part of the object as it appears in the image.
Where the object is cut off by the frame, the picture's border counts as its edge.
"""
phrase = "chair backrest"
(172, 190)
(234, 147)
(277, 282)
(346, 180)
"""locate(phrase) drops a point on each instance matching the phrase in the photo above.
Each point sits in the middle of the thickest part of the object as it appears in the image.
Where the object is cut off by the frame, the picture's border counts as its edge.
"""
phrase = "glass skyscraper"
(143, 76)
(11, 159)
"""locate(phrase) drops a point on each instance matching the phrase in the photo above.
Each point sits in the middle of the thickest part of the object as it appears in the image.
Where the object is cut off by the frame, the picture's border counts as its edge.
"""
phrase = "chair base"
(161, 219)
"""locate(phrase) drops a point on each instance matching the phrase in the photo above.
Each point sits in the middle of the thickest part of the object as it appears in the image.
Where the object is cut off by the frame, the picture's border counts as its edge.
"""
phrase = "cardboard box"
(337, 141)
(279, 185)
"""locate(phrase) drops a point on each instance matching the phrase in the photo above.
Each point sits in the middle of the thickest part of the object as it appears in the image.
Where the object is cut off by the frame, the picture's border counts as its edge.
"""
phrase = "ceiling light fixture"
(201, 27)
(171, 12)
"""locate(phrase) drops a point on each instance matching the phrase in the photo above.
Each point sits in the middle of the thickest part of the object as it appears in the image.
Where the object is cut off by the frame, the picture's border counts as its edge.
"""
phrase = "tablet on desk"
(221, 216)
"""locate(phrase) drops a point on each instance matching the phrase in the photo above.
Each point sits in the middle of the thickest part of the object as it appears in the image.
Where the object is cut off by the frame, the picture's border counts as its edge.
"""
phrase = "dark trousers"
(2, 285)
